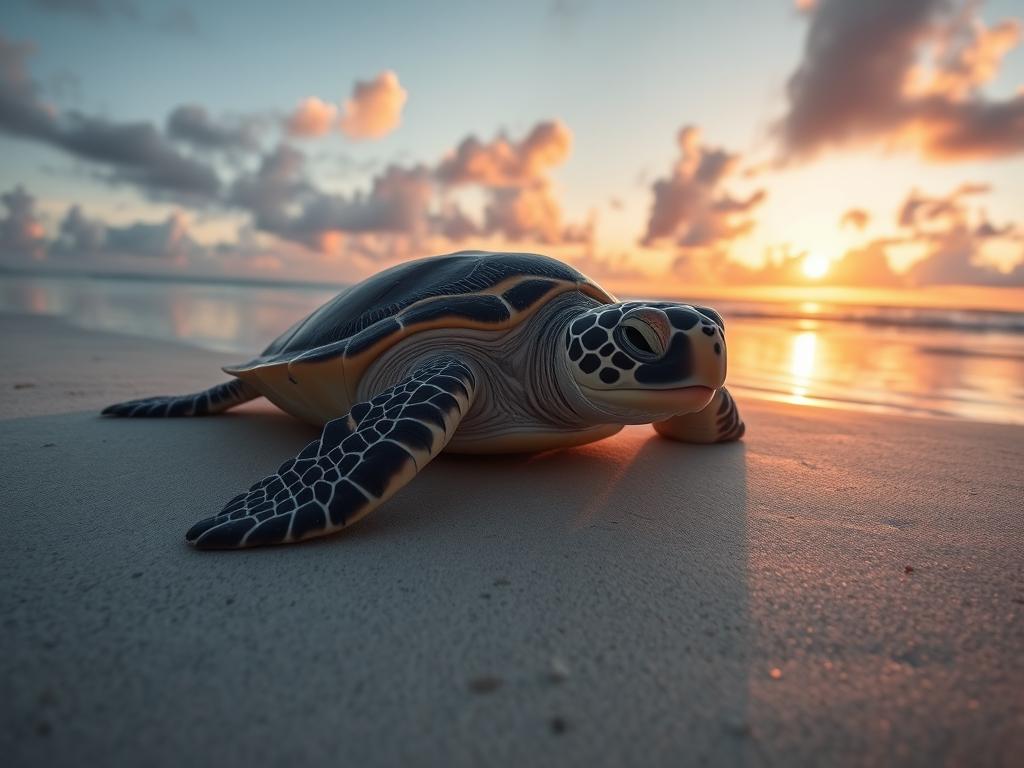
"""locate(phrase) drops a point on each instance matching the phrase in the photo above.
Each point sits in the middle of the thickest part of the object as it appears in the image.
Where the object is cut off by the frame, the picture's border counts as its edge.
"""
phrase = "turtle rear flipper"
(206, 403)
(358, 463)
(717, 422)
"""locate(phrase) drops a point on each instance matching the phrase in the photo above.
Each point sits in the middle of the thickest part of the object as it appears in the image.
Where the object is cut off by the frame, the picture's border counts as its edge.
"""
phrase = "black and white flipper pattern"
(718, 422)
(206, 403)
(357, 464)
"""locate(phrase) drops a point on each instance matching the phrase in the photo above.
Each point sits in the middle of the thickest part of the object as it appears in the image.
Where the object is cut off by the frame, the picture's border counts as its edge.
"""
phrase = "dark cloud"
(272, 192)
(455, 225)
(22, 111)
(136, 153)
(906, 73)
(398, 203)
(286, 203)
(690, 207)
(192, 124)
(131, 152)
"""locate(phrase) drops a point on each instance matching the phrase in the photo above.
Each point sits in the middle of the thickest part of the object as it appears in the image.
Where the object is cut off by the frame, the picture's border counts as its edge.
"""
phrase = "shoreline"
(838, 588)
(226, 354)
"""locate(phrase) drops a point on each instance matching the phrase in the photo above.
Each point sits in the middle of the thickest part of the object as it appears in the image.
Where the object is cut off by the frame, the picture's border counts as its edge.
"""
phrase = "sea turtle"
(472, 352)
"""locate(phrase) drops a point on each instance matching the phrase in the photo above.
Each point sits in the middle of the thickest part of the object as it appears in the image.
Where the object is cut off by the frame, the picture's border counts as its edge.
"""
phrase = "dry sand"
(633, 602)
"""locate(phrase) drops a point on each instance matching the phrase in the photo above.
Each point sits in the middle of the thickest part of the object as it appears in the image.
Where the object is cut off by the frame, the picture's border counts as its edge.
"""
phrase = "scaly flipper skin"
(358, 463)
(717, 422)
(206, 403)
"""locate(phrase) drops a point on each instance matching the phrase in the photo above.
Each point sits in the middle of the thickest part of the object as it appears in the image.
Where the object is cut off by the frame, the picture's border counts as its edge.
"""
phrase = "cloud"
(954, 236)
(312, 117)
(413, 201)
(516, 177)
(903, 74)
(856, 218)
(83, 238)
(503, 162)
(134, 152)
(523, 205)
(525, 213)
(690, 207)
(21, 231)
(375, 108)
(866, 266)
(284, 202)
(919, 211)
(951, 237)
(88, 240)
(272, 191)
(192, 124)
(397, 203)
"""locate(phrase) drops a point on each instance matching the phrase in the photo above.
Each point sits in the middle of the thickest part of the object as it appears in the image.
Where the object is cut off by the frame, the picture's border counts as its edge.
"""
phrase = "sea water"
(961, 363)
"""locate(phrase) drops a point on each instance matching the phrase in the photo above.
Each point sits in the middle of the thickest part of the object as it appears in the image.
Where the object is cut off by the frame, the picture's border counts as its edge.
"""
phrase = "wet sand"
(838, 589)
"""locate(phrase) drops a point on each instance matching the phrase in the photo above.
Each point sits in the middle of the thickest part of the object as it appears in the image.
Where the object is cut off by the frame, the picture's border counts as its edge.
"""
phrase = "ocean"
(958, 363)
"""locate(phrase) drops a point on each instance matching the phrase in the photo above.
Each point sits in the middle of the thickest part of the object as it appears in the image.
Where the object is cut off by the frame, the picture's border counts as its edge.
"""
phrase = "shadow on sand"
(585, 606)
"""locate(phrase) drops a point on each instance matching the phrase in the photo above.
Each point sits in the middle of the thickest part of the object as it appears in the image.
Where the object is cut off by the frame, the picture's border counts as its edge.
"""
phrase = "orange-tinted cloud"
(902, 74)
(857, 218)
(503, 162)
(312, 117)
(690, 207)
(375, 108)
(522, 203)
(413, 202)
(952, 234)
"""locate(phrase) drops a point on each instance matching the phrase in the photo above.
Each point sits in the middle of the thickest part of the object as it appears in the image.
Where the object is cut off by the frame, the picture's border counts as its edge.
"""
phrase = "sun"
(814, 266)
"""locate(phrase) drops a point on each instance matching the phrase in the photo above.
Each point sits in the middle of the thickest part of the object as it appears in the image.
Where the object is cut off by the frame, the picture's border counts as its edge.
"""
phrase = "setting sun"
(814, 266)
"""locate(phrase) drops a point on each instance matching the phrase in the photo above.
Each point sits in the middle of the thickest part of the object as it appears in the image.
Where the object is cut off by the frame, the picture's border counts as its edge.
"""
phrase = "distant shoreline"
(968, 319)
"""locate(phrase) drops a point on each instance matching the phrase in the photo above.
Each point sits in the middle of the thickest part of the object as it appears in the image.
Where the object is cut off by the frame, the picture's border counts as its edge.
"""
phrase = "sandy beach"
(838, 589)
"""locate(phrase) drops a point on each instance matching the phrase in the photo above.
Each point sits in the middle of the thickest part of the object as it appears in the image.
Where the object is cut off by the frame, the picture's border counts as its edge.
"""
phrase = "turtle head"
(637, 360)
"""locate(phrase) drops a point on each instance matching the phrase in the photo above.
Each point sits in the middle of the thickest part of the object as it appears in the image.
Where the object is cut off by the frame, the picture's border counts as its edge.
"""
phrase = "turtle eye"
(639, 339)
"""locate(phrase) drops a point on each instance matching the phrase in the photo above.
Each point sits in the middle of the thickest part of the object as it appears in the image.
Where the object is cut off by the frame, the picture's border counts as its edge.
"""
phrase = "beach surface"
(838, 589)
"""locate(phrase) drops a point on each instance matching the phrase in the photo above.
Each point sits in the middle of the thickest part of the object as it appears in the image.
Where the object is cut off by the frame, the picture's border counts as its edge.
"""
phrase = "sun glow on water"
(815, 266)
(801, 362)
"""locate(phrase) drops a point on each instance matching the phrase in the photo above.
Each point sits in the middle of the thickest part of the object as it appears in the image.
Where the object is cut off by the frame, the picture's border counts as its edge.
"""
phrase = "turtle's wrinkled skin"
(471, 352)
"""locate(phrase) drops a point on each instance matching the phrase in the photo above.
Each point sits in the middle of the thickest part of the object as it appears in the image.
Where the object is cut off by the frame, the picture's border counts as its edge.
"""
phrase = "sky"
(656, 145)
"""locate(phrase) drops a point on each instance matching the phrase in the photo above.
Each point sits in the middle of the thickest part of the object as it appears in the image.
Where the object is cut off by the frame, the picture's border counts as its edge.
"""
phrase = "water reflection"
(920, 370)
(799, 356)
(802, 363)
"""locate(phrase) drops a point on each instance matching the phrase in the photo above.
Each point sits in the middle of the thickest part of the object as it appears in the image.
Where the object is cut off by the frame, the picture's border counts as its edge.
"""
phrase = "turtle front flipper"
(717, 422)
(206, 403)
(358, 463)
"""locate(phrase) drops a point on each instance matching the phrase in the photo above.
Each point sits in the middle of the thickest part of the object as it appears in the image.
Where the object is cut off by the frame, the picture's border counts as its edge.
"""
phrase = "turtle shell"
(338, 341)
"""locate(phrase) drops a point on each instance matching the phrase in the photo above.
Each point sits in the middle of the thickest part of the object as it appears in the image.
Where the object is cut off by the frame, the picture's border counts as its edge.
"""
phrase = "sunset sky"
(872, 144)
